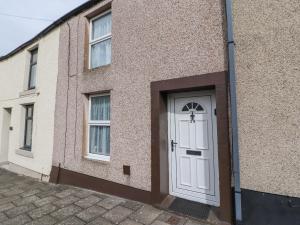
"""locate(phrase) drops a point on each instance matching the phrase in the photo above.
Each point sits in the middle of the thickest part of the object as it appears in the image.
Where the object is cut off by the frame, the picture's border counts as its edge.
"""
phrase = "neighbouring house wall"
(13, 82)
(151, 41)
(268, 81)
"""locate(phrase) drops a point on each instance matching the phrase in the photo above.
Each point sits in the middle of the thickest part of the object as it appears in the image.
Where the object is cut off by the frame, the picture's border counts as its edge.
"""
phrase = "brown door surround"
(159, 146)
(159, 135)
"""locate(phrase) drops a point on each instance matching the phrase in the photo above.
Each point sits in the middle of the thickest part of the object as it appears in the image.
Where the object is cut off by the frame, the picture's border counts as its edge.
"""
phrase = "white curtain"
(100, 140)
(101, 53)
(100, 108)
(101, 26)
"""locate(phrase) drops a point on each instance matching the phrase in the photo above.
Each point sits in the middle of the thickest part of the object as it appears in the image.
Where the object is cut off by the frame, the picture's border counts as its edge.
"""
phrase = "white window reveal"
(99, 127)
(100, 40)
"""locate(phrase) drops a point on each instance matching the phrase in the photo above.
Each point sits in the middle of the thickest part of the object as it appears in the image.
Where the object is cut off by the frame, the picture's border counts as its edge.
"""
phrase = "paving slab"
(13, 192)
(50, 192)
(100, 221)
(91, 213)
(132, 205)
(42, 211)
(6, 206)
(9, 199)
(45, 220)
(117, 214)
(30, 192)
(171, 218)
(19, 220)
(71, 221)
(19, 210)
(26, 200)
(45, 201)
(66, 201)
(66, 212)
(111, 202)
(65, 193)
(88, 201)
(146, 214)
(83, 193)
(3, 217)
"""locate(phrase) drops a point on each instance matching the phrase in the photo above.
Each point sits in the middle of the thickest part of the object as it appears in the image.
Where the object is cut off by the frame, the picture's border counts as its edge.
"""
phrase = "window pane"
(29, 111)
(32, 76)
(100, 108)
(99, 140)
(101, 53)
(34, 56)
(28, 133)
(101, 26)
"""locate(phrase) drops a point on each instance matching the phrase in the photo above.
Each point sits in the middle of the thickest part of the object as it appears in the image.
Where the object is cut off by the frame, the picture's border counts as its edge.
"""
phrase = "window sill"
(24, 152)
(94, 157)
(100, 69)
(28, 92)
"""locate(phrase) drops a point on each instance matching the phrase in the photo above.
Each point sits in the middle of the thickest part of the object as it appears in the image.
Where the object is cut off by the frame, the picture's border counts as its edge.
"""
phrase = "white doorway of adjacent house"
(5, 133)
(193, 150)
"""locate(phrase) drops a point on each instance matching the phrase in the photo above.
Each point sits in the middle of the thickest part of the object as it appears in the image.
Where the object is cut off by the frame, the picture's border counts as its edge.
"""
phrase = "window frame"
(97, 123)
(35, 50)
(99, 39)
(28, 147)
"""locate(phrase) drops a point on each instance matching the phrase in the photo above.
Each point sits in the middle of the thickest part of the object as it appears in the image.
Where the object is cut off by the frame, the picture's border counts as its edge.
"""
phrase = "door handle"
(172, 145)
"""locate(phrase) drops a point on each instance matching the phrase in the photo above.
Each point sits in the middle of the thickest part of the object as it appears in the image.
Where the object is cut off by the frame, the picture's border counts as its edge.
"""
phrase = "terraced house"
(157, 102)
(28, 78)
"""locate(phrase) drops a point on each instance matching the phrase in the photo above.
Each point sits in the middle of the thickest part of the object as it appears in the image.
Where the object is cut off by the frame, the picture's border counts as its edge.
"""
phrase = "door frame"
(171, 98)
(159, 135)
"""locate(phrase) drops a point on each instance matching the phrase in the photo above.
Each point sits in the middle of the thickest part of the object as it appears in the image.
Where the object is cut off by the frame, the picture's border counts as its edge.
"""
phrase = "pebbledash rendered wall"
(268, 85)
(151, 41)
(14, 73)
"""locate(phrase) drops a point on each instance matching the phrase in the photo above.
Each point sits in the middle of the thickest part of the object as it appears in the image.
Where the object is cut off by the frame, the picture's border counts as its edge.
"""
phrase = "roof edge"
(51, 27)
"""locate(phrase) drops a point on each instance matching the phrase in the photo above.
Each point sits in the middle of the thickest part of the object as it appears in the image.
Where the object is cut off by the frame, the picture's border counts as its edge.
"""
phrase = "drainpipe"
(233, 110)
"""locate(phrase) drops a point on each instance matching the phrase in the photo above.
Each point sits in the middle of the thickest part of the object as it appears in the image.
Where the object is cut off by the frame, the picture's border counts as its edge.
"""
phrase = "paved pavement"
(24, 200)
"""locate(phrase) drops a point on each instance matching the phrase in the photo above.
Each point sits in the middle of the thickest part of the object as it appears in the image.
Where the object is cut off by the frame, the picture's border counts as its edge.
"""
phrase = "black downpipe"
(233, 110)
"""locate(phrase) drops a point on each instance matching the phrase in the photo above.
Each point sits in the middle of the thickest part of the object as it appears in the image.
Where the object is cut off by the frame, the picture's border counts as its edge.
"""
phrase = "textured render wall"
(13, 79)
(152, 40)
(268, 81)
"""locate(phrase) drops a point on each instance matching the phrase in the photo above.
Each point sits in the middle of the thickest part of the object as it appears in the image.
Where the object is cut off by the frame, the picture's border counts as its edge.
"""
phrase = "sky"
(39, 14)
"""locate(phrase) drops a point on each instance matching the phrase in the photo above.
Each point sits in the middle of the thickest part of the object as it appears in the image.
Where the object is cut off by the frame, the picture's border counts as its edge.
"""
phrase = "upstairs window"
(32, 69)
(100, 40)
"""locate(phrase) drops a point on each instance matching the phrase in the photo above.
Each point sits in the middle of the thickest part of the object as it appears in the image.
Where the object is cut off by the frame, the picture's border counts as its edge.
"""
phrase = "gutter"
(233, 110)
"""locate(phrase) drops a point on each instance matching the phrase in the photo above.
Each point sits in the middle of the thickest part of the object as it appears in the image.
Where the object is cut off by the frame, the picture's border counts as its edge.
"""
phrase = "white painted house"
(28, 77)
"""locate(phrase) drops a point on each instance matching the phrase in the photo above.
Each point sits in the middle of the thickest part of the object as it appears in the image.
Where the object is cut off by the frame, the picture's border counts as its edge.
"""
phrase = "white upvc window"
(100, 40)
(99, 127)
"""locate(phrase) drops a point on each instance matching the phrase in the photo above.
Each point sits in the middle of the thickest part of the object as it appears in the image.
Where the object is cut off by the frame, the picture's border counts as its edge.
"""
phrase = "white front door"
(193, 147)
